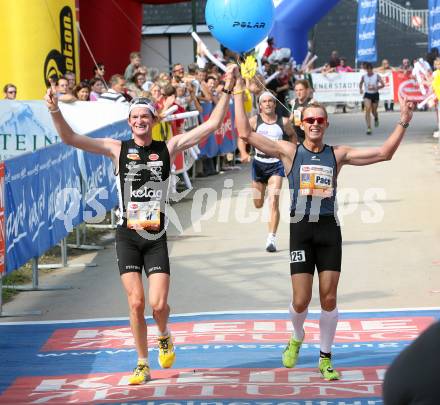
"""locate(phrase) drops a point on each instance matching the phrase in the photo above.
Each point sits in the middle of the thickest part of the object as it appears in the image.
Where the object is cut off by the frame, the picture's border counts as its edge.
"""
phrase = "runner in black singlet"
(143, 169)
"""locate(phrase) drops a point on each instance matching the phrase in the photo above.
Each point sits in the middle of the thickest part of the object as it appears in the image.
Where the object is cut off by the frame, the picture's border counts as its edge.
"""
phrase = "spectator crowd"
(187, 88)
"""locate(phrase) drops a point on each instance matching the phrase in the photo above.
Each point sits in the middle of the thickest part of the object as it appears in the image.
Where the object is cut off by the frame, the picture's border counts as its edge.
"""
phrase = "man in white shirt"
(116, 93)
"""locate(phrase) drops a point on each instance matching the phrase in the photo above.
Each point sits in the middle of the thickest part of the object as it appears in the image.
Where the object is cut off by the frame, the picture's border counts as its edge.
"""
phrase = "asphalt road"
(391, 234)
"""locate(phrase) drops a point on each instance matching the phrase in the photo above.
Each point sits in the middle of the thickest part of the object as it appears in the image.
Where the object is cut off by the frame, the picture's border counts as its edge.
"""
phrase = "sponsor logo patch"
(155, 164)
(153, 156)
(133, 156)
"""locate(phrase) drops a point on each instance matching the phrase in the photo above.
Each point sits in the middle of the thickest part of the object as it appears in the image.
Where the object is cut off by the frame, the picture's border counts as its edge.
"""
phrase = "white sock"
(298, 320)
(327, 329)
(142, 360)
(165, 333)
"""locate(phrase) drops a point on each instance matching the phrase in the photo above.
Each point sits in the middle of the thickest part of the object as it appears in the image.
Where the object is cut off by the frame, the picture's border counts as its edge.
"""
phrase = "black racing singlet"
(313, 181)
(144, 173)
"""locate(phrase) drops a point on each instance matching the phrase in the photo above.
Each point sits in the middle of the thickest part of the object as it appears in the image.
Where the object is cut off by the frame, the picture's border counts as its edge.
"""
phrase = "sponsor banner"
(246, 368)
(406, 86)
(434, 24)
(42, 201)
(366, 31)
(344, 87)
(222, 141)
(45, 41)
(250, 331)
(196, 384)
(26, 126)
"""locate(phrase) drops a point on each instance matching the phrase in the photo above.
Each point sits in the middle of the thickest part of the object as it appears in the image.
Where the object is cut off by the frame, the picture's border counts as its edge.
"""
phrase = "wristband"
(227, 91)
(404, 124)
(53, 111)
(238, 92)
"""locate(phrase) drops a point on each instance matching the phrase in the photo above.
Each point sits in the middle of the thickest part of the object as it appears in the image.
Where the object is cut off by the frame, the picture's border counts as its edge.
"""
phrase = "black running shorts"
(374, 97)
(134, 252)
(315, 244)
(262, 172)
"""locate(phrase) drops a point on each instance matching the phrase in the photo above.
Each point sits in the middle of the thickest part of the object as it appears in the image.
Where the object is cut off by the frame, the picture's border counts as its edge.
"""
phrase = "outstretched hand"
(406, 109)
(51, 99)
(230, 76)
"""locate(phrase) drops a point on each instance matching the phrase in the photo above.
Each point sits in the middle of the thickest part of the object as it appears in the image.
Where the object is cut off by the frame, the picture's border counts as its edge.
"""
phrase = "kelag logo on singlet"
(146, 192)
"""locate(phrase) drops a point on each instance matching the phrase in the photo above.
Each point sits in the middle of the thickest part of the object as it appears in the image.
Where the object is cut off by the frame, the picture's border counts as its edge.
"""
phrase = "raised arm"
(282, 150)
(361, 83)
(182, 142)
(103, 146)
(289, 130)
(346, 155)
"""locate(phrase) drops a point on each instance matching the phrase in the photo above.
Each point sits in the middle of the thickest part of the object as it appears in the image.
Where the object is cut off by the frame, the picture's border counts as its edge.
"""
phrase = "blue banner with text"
(366, 31)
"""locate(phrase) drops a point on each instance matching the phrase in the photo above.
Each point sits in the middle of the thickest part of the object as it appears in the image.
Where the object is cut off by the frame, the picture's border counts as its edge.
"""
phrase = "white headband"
(266, 93)
(149, 106)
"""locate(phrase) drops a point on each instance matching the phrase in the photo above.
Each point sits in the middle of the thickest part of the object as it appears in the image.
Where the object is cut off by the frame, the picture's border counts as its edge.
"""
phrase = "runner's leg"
(274, 189)
(328, 285)
(259, 192)
(134, 289)
(367, 103)
(158, 287)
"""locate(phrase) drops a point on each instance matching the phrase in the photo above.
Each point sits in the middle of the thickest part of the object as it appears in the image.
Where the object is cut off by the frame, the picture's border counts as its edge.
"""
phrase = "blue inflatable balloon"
(239, 24)
(294, 19)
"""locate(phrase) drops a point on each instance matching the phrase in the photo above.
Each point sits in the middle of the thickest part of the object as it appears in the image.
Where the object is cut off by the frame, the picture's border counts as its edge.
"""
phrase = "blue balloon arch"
(294, 19)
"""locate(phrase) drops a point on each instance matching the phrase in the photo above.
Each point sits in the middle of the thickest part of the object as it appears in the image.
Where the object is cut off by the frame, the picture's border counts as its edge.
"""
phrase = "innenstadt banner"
(366, 31)
(344, 87)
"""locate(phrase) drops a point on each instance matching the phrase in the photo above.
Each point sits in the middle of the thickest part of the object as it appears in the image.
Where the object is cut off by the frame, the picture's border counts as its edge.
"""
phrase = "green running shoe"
(326, 369)
(290, 353)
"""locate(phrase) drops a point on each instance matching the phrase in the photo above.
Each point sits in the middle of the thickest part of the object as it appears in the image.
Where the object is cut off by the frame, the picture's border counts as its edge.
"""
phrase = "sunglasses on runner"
(312, 120)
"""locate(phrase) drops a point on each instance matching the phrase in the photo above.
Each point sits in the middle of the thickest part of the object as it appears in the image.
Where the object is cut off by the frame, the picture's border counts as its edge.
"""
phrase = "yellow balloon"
(249, 67)
(38, 39)
(436, 83)
(162, 131)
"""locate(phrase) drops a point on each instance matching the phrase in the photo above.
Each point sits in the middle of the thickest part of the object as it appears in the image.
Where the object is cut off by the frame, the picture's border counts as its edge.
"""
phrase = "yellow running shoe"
(290, 353)
(327, 370)
(141, 374)
(166, 355)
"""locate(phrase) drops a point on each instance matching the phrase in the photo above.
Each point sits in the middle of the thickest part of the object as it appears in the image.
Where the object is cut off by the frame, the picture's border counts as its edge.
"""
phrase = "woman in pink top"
(342, 67)
(97, 88)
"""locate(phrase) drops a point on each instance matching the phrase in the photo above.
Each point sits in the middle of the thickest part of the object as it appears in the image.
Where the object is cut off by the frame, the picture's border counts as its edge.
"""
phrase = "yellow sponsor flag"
(38, 40)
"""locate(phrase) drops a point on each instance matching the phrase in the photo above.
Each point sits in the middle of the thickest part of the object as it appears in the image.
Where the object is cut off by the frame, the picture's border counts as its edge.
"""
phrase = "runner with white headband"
(142, 167)
(268, 172)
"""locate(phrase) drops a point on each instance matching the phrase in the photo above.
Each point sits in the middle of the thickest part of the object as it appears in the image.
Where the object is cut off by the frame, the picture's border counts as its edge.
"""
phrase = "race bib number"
(297, 256)
(297, 117)
(316, 181)
(144, 215)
